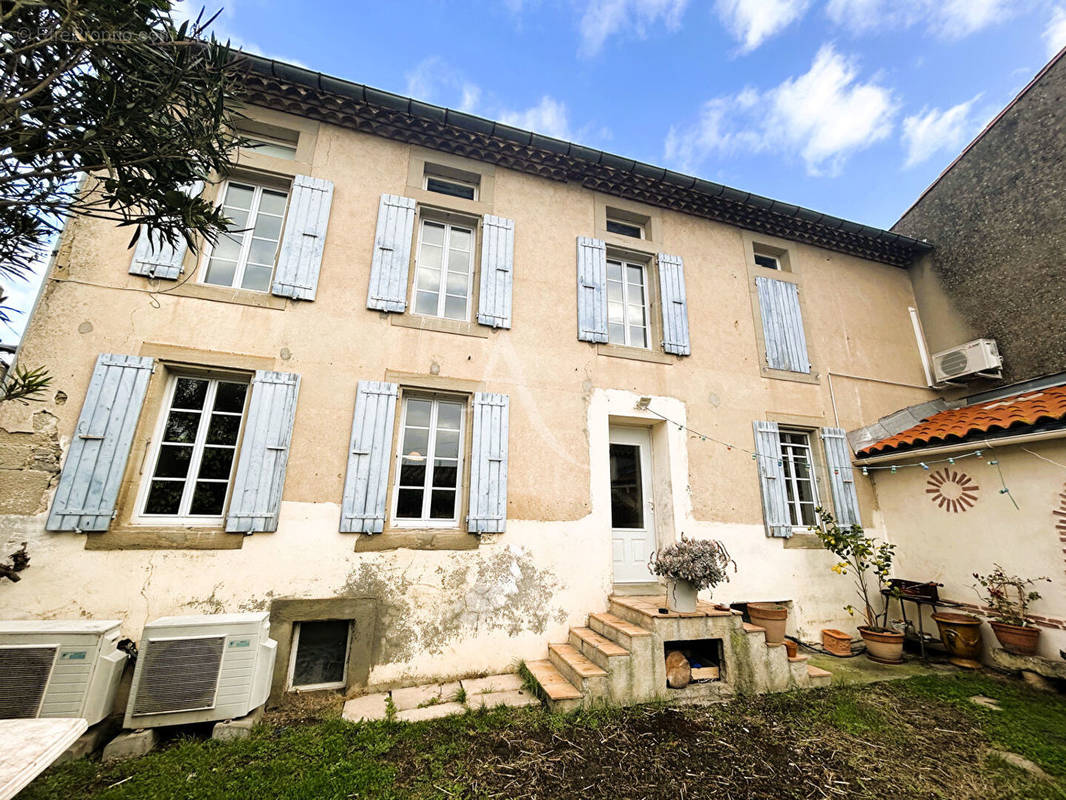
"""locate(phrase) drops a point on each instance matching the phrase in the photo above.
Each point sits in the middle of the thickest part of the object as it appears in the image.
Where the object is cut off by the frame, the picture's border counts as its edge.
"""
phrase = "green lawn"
(920, 737)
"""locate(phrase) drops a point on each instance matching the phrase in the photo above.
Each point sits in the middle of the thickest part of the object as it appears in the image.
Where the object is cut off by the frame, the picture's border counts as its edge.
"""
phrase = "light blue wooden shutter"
(675, 307)
(162, 260)
(392, 254)
(96, 460)
(591, 289)
(296, 275)
(772, 479)
(841, 476)
(366, 483)
(256, 497)
(497, 272)
(782, 325)
(488, 464)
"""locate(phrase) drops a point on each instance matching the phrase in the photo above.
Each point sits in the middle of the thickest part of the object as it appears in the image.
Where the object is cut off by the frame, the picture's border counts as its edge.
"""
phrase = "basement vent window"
(320, 654)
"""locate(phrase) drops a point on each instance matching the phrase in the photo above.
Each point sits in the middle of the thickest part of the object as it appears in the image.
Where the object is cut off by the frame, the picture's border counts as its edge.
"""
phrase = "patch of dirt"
(871, 745)
(304, 707)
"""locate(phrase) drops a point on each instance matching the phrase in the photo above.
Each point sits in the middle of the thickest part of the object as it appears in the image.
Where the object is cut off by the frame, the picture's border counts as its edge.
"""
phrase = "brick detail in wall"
(1036, 619)
(1059, 516)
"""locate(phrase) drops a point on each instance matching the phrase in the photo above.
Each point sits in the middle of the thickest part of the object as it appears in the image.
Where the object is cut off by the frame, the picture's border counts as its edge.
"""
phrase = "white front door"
(632, 516)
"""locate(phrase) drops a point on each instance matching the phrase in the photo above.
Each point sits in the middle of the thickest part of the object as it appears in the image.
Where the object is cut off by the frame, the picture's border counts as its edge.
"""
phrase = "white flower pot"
(681, 596)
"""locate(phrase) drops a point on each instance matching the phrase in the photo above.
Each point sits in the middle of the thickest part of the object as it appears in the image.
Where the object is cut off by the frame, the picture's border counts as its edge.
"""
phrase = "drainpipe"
(923, 348)
(832, 395)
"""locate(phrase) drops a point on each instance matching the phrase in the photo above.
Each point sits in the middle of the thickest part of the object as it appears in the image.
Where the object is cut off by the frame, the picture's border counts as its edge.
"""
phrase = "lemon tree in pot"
(861, 555)
(690, 566)
(1008, 597)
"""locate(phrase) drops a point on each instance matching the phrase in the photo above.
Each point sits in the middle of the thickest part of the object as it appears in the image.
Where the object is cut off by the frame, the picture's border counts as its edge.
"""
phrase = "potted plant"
(690, 566)
(1008, 597)
(860, 555)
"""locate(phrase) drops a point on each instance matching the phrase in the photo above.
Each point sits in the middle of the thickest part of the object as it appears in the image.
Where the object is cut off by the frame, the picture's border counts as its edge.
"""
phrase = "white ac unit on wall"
(59, 668)
(977, 358)
(200, 669)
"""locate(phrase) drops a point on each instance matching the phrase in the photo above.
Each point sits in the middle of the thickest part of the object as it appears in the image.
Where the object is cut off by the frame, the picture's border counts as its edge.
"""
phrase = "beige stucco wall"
(937, 544)
(456, 612)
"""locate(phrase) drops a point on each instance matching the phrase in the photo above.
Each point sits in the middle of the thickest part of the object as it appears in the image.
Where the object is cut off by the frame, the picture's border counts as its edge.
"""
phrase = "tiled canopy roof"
(995, 416)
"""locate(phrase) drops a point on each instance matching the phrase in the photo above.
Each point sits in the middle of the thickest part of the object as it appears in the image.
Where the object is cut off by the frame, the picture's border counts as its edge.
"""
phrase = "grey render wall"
(997, 219)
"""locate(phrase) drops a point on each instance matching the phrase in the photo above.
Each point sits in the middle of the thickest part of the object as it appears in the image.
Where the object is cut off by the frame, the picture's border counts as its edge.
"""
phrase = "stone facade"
(997, 219)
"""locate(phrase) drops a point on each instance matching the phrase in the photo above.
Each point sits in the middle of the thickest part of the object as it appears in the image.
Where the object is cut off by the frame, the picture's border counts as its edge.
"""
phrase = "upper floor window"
(624, 228)
(429, 460)
(770, 257)
(244, 258)
(801, 488)
(443, 269)
(450, 181)
(193, 462)
(770, 262)
(271, 146)
(627, 303)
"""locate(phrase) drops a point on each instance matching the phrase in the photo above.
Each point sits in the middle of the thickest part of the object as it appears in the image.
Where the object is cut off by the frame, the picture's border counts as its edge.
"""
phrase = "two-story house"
(444, 388)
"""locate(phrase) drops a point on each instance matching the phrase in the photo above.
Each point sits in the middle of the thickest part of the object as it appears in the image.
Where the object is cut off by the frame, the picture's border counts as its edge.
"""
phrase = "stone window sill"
(803, 541)
(224, 294)
(422, 323)
(634, 354)
(785, 375)
(136, 537)
(405, 539)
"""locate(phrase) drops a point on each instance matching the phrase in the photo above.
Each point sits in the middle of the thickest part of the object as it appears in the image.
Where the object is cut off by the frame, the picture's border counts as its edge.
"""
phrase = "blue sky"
(850, 107)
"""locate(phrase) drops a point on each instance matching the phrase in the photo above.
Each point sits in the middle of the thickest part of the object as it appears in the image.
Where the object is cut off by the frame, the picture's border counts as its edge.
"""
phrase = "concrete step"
(598, 649)
(749, 628)
(620, 631)
(819, 677)
(560, 695)
(778, 667)
(579, 671)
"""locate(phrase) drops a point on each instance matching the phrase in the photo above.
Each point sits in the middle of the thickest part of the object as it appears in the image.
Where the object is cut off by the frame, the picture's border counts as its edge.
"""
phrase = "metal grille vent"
(24, 673)
(178, 675)
(954, 363)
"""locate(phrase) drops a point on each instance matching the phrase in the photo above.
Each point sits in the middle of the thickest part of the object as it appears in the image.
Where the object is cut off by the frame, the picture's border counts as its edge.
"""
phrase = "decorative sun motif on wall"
(952, 490)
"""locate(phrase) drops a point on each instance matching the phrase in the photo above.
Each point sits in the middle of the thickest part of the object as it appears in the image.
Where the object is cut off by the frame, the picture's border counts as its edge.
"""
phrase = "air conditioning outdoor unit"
(200, 669)
(979, 357)
(59, 668)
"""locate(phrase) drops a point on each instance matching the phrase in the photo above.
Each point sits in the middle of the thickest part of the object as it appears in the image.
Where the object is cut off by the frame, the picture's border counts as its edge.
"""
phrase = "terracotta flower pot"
(681, 596)
(884, 647)
(961, 635)
(771, 616)
(1021, 640)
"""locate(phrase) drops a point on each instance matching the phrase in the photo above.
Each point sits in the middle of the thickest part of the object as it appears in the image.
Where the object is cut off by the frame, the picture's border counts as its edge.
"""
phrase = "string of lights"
(866, 468)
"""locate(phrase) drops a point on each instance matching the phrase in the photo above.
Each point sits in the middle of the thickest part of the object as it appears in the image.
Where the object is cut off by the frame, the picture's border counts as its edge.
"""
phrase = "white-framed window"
(453, 187)
(624, 228)
(319, 655)
(768, 261)
(270, 146)
(244, 258)
(429, 461)
(193, 460)
(801, 485)
(443, 269)
(627, 303)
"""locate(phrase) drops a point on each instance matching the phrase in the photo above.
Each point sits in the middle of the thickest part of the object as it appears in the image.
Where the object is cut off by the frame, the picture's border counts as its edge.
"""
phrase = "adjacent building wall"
(448, 612)
(936, 543)
(997, 218)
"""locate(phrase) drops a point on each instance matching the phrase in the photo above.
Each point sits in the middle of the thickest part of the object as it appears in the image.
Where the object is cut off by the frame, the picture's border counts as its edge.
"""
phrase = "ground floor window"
(801, 487)
(320, 654)
(429, 460)
(193, 461)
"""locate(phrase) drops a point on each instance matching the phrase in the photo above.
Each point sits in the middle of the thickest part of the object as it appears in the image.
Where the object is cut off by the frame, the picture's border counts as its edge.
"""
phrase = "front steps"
(619, 658)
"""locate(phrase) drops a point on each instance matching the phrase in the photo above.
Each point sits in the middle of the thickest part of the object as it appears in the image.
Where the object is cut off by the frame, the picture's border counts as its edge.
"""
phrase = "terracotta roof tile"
(956, 424)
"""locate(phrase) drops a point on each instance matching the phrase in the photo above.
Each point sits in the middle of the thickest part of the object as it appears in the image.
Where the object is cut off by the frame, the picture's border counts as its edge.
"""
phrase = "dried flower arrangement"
(702, 562)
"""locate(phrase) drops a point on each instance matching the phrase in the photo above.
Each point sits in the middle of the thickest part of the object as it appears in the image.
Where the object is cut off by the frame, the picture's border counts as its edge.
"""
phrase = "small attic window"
(269, 140)
(452, 182)
(626, 223)
(770, 262)
(625, 228)
(769, 257)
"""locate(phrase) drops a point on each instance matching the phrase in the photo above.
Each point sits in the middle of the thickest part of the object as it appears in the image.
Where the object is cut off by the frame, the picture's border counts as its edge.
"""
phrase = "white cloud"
(823, 116)
(934, 130)
(753, 21)
(435, 81)
(1055, 33)
(948, 19)
(548, 117)
(605, 18)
